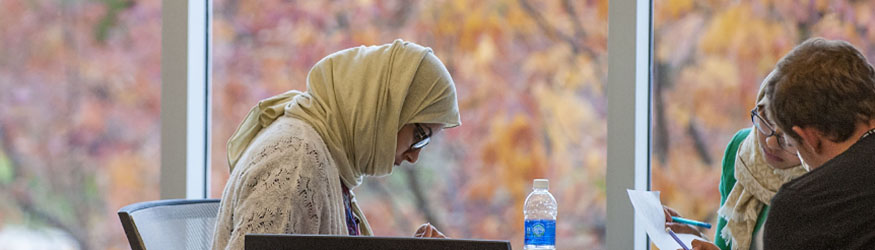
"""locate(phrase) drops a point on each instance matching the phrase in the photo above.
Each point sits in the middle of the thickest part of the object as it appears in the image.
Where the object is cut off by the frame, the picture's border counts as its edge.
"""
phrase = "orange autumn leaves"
(710, 57)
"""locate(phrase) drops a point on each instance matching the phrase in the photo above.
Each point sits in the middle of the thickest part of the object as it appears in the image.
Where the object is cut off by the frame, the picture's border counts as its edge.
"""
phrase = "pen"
(676, 238)
(691, 222)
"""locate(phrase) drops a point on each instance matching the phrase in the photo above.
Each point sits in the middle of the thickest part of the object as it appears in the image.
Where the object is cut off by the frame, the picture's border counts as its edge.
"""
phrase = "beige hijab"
(358, 99)
(757, 182)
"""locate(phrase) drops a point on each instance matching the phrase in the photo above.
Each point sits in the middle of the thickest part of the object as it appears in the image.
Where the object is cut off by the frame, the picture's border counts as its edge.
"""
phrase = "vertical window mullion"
(184, 99)
(629, 50)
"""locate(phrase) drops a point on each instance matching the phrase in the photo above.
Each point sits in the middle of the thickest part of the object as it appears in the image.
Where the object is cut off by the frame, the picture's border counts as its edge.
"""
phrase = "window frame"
(186, 82)
(630, 29)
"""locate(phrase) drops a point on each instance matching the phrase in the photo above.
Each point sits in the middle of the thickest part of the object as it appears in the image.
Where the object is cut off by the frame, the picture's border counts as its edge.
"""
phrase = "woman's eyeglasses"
(420, 138)
(760, 123)
(764, 127)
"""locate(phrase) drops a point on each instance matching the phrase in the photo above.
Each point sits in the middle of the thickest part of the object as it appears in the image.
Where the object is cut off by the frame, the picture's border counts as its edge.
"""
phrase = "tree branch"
(389, 199)
(660, 126)
(554, 33)
(421, 199)
(701, 146)
(401, 15)
(80, 238)
(23, 200)
(579, 33)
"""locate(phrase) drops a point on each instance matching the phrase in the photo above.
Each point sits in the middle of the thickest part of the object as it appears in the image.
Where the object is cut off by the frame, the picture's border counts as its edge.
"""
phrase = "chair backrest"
(170, 224)
(335, 242)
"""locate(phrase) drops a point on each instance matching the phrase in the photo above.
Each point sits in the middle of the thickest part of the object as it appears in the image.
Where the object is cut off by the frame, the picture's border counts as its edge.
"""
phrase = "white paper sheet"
(648, 210)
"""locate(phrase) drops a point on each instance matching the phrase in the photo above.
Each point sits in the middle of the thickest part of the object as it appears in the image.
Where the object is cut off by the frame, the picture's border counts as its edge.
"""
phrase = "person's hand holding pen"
(687, 229)
(696, 244)
(428, 231)
(679, 228)
(703, 245)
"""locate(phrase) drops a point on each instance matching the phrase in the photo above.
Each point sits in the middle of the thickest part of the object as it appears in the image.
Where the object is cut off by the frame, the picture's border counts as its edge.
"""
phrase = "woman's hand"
(428, 231)
(679, 228)
(704, 245)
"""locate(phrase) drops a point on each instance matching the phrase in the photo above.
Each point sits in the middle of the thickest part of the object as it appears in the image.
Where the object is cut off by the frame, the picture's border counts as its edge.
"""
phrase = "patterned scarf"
(757, 184)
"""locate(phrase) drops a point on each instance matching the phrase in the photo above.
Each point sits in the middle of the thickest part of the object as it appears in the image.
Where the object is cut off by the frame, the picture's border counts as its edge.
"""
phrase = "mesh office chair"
(170, 224)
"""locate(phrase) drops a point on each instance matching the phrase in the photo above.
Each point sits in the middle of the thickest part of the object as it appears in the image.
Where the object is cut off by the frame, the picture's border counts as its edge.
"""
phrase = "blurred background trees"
(530, 78)
(79, 119)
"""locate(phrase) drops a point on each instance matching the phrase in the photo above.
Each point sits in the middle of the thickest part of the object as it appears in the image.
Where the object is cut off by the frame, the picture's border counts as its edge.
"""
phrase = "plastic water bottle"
(540, 215)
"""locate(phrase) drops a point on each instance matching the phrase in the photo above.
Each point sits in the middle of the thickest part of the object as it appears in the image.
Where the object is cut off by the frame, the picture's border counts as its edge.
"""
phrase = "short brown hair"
(824, 84)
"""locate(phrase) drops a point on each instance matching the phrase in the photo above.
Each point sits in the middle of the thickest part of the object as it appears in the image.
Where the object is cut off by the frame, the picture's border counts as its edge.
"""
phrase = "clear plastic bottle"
(540, 217)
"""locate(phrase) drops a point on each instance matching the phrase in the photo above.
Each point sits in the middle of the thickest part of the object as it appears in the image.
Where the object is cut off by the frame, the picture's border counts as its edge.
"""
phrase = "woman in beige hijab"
(296, 157)
(756, 163)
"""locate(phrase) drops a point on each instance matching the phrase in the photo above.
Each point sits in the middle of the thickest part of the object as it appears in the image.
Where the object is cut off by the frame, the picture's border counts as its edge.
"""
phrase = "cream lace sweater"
(285, 182)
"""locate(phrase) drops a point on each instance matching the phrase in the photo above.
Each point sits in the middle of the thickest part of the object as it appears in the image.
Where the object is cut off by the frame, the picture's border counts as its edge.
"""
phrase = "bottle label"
(540, 232)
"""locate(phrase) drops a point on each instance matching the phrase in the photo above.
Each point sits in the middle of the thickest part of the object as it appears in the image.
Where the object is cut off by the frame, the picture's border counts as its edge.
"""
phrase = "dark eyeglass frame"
(420, 137)
(763, 126)
(758, 122)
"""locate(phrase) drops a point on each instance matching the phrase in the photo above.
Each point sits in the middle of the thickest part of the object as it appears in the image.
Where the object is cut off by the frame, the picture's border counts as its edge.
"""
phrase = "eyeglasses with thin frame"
(764, 127)
(420, 137)
(760, 123)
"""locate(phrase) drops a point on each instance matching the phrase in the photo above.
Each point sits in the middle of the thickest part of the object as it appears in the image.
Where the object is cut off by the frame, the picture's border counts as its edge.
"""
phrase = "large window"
(531, 82)
(79, 119)
(81, 82)
(709, 60)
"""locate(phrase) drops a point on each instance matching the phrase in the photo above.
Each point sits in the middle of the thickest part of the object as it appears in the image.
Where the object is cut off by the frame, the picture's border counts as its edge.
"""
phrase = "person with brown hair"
(823, 97)
(757, 161)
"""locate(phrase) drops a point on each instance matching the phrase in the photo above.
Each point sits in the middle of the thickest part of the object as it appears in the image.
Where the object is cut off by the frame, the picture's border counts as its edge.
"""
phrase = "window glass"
(709, 60)
(79, 119)
(530, 79)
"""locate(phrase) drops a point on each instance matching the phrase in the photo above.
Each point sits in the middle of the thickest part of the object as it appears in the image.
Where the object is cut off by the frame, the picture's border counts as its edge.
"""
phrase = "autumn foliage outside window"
(80, 85)
(709, 60)
(530, 78)
(80, 80)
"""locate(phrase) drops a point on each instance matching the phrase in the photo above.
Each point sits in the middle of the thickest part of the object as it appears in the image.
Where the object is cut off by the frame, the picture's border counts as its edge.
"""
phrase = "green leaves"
(110, 19)
(7, 172)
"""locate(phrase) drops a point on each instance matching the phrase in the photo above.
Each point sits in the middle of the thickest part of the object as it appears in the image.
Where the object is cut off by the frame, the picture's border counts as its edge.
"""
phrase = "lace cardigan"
(285, 182)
